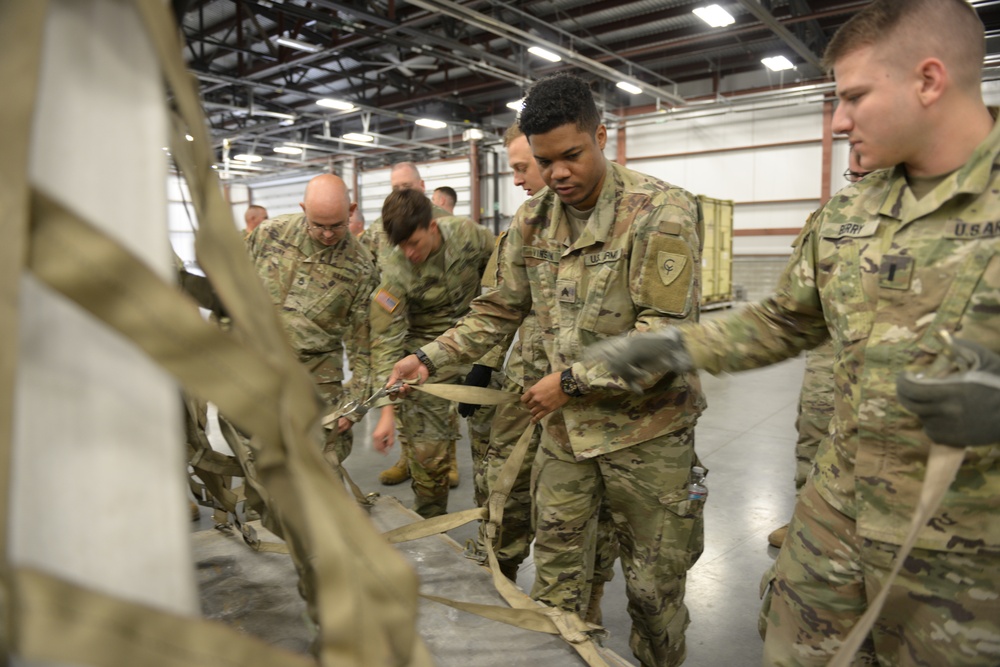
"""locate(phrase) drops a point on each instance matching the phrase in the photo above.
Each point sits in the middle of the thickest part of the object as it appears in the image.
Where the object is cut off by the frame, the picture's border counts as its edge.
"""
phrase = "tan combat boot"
(400, 471)
(453, 462)
(777, 536)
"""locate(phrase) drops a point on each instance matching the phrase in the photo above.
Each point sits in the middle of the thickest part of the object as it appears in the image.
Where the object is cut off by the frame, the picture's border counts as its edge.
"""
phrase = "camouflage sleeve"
(495, 357)
(777, 328)
(358, 346)
(389, 326)
(495, 315)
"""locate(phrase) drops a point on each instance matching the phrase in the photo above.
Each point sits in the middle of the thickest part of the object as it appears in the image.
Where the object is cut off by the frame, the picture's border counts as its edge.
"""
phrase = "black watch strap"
(426, 361)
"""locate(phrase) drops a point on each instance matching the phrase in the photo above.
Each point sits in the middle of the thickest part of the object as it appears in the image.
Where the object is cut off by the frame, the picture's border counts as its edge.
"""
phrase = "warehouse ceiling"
(264, 65)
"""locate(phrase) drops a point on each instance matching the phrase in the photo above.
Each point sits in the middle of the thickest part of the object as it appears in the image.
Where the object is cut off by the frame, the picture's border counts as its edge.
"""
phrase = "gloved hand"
(642, 355)
(960, 409)
(479, 376)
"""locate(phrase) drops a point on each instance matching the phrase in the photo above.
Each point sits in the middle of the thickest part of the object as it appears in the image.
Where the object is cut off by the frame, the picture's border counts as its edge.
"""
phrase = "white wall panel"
(375, 185)
(786, 172)
(778, 244)
(774, 215)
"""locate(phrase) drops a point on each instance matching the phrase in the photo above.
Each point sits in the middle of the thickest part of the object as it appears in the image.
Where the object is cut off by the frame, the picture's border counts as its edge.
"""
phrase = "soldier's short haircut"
(448, 192)
(558, 100)
(404, 212)
(511, 133)
(914, 29)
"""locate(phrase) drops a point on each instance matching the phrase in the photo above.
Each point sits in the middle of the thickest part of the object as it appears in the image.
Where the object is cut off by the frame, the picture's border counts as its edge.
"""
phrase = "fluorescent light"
(296, 44)
(778, 63)
(288, 150)
(339, 105)
(243, 157)
(431, 123)
(544, 53)
(715, 16)
(516, 105)
(629, 88)
(473, 134)
(357, 136)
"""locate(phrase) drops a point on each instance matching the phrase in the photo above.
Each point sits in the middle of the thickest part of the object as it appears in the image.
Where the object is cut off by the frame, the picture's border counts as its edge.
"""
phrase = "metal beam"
(781, 31)
(513, 34)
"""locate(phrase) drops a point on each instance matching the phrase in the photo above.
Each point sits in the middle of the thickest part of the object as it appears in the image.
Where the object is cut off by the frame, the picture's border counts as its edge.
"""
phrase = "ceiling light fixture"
(516, 105)
(339, 105)
(245, 157)
(431, 123)
(629, 87)
(777, 63)
(357, 136)
(297, 44)
(715, 16)
(545, 53)
(189, 137)
(288, 150)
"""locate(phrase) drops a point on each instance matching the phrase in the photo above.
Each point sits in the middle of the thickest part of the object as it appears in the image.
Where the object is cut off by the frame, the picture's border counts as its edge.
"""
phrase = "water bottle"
(697, 489)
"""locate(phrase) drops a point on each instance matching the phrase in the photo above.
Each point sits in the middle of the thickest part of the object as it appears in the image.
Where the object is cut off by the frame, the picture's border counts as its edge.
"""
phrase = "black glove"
(479, 376)
(962, 408)
(642, 355)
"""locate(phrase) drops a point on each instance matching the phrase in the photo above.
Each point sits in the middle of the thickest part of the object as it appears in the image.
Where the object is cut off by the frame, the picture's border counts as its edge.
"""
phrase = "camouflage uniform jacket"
(635, 266)
(887, 271)
(414, 303)
(322, 296)
(515, 369)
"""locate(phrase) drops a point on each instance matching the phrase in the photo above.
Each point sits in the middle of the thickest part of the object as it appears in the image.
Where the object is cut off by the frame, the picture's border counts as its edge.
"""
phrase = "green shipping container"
(717, 252)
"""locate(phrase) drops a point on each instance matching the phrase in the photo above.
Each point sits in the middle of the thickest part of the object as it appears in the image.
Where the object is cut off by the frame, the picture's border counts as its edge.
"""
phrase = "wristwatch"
(426, 361)
(568, 383)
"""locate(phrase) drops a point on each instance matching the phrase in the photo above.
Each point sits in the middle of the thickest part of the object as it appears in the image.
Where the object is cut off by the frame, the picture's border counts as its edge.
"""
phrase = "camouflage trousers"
(518, 527)
(943, 609)
(430, 425)
(480, 428)
(659, 531)
(337, 446)
(815, 409)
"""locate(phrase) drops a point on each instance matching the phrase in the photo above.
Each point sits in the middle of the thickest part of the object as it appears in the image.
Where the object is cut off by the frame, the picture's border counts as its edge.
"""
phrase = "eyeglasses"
(854, 176)
(327, 229)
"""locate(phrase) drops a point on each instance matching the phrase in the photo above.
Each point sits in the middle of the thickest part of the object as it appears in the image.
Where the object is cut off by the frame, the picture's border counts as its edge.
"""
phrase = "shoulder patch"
(670, 265)
(385, 299)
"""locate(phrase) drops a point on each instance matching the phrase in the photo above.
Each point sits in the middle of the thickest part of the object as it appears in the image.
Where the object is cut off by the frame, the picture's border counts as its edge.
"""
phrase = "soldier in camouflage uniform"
(512, 419)
(911, 250)
(816, 398)
(428, 279)
(320, 280)
(605, 250)
(402, 176)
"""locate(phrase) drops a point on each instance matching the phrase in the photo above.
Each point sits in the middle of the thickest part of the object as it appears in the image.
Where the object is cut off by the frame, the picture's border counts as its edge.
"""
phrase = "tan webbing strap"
(942, 466)
(61, 622)
(365, 592)
(367, 612)
(434, 525)
(462, 394)
(523, 612)
(21, 27)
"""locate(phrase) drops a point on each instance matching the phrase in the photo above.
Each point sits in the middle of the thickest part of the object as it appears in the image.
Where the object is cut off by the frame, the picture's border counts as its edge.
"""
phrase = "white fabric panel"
(375, 185)
(98, 492)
